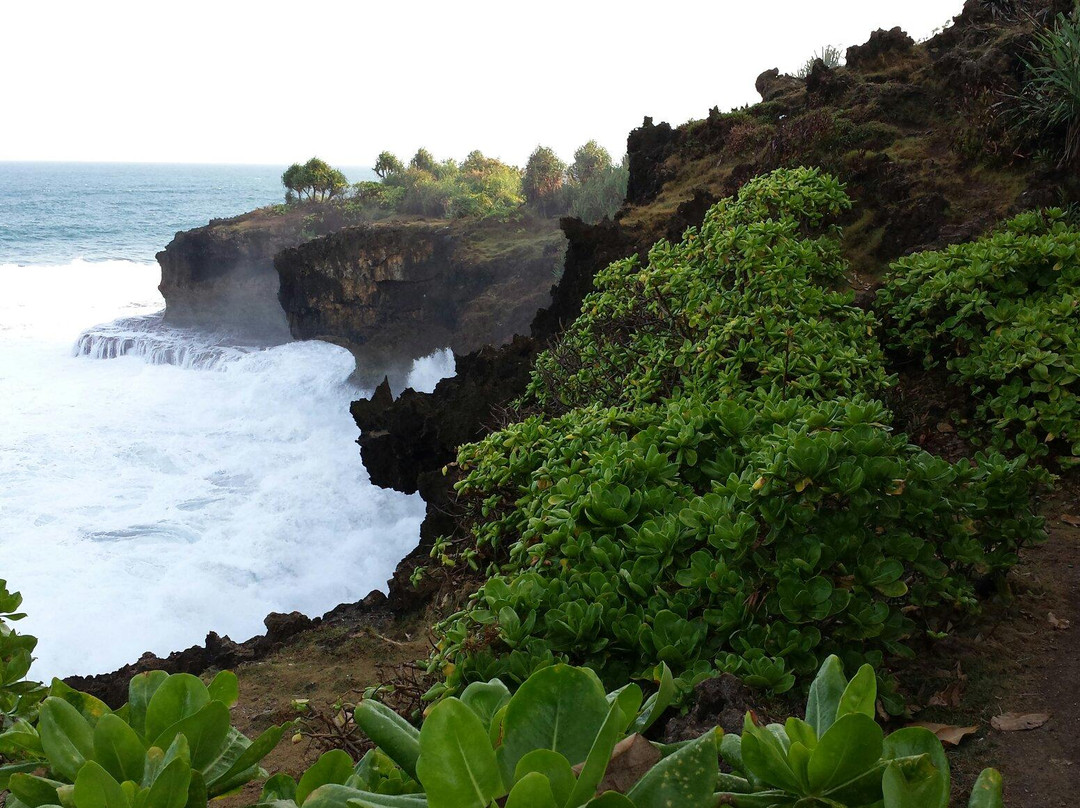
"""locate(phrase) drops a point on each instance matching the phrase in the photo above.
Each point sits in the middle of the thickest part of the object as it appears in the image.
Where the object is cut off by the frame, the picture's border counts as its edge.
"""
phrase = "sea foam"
(175, 484)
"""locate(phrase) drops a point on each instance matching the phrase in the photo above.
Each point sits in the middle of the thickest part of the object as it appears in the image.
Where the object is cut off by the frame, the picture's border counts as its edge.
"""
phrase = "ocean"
(150, 498)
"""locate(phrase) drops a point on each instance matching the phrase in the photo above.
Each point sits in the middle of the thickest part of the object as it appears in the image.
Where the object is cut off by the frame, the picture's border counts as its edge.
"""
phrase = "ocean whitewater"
(157, 484)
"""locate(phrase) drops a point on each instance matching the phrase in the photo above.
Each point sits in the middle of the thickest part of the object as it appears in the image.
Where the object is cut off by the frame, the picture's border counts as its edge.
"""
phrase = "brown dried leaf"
(630, 759)
(949, 697)
(945, 427)
(1016, 722)
(1069, 519)
(947, 733)
(1057, 622)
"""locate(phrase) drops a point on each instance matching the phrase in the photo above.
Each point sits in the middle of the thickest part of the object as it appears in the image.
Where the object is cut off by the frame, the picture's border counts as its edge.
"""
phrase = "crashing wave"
(149, 338)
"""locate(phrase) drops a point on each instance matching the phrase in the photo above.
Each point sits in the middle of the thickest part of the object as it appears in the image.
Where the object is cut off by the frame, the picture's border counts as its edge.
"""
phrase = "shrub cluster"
(561, 742)
(708, 479)
(1002, 314)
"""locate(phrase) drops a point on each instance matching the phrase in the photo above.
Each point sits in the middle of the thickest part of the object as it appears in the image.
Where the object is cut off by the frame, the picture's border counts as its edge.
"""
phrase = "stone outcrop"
(221, 276)
(391, 292)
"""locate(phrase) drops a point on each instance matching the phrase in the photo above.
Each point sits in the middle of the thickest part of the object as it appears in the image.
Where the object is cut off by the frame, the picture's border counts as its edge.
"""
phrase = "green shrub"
(548, 745)
(708, 480)
(839, 756)
(19, 697)
(1001, 314)
(560, 742)
(830, 55)
(170, 746)
(1050, 99)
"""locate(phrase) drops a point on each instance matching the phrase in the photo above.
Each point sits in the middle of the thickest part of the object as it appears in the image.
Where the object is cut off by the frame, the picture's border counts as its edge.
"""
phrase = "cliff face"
(391, 292)
(221, 276)
(910, 128)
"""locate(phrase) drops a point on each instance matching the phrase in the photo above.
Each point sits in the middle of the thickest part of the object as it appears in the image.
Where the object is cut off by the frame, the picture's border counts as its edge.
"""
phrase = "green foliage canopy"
(708, 479)
(1002, 314)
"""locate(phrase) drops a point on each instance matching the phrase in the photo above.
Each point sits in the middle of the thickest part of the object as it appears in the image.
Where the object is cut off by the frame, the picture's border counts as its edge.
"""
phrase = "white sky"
(233, 81)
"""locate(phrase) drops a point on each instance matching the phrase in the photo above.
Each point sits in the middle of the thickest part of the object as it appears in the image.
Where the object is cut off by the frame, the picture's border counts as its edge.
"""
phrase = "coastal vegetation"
(705, 475)
(1050, 98)
(314, 180)
(590, 188)
(709, 472)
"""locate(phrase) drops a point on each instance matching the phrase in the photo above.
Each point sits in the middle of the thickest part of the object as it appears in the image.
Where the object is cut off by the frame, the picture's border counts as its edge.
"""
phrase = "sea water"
(189, 484)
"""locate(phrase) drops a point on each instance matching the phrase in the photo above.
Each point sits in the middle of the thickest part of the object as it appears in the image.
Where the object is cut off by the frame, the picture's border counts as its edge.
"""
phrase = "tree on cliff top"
(315, 179)
(424, 160)
(544, 176)
(388, 164)
(590, 161)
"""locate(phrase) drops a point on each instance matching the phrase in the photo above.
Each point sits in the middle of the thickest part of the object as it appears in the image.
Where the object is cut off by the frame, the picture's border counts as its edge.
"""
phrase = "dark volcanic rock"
(647, 147)
(221, 276)
(396, 291)
(722, 702)
(406, 443)
(280, 627)
(880, 50)
(772, 85)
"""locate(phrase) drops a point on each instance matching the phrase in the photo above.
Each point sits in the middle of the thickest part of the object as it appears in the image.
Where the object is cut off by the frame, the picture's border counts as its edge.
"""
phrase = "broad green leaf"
(532, 791)
(178, 697)
(915, 741)
(457, 765)
(559, 708)
(860, 694)
(96, 788)
(205, 731)
(118, 749)
(66, 737)
(197, 796)
(332, 795)
(599, 756)
(610, 799)
(656, 703)
(849, 748)
(686, 778)
(798, 731)
(765, 759)
(225, 688)
(366, 799)
(90, 707)
(141, 689)
(33, 791)
(986, 792)
(334, 766)
(825, 693)
(21, 740)
(9, 770)
(171, 788)
(915, 783)
(399, 739)
(279, 787)
(554, 767)
(485, 699)
(239, 760)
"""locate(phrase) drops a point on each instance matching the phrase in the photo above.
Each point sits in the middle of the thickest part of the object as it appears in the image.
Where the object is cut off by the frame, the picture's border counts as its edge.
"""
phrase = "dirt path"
(1020, 659)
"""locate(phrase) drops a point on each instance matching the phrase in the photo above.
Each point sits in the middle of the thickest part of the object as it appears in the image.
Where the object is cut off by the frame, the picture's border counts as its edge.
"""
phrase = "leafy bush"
(170, 746)
(1050, 99)
(830, 55)
(708, 480)
(547, 746)
(839, 756)
(1002, 315)
(560, 742)
(19, 697)
(315, 180)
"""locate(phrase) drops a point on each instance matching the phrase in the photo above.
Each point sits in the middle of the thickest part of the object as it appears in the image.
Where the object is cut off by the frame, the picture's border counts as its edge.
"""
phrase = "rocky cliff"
(394, 291)
(913, 129)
